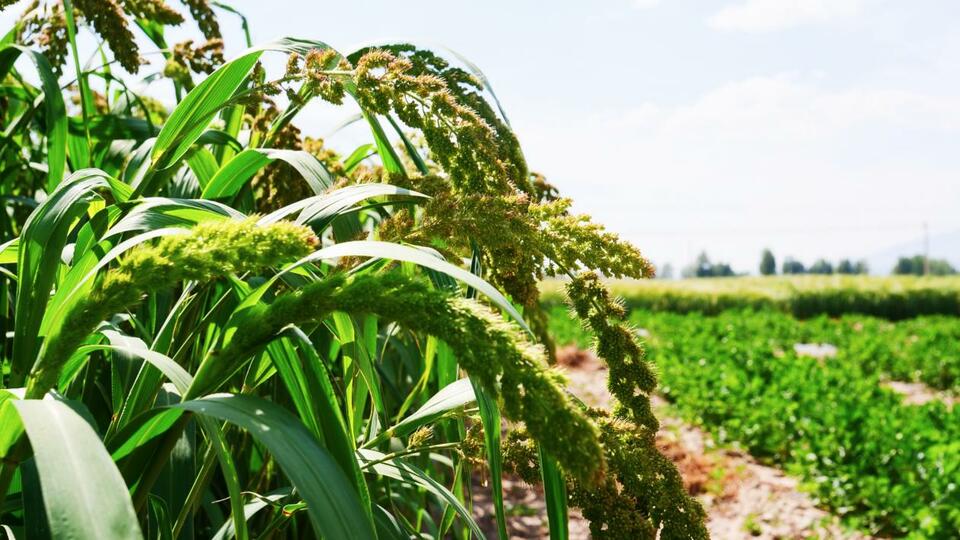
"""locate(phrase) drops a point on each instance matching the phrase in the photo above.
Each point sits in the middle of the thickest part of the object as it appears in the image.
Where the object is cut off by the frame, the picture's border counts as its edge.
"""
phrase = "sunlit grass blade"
(398, 252)
(490, 416)
(452, 397)
(232, 176)
(555, 496)
(192, 115)
(332, 423)
(318, 211)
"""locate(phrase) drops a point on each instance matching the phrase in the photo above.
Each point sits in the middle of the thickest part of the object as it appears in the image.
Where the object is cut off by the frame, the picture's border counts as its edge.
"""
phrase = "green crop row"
(886, 467)
(924, 349)
(891, 298)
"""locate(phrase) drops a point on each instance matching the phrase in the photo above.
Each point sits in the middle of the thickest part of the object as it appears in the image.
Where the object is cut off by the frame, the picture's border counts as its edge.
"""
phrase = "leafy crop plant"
(217, 327)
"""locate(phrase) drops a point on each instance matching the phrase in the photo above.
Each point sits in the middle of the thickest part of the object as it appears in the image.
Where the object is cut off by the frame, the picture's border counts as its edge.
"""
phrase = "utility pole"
(926, 249)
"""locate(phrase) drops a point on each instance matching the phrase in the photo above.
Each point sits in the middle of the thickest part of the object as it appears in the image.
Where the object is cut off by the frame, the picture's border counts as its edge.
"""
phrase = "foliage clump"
(482, 194)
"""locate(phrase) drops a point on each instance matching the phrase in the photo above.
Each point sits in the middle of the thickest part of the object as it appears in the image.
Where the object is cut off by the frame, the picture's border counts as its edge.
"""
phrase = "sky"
(817, 128)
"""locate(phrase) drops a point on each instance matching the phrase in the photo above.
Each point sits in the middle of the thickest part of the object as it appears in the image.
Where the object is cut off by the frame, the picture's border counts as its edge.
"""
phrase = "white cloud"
(769, 15)
(780, 160)
(789, 108)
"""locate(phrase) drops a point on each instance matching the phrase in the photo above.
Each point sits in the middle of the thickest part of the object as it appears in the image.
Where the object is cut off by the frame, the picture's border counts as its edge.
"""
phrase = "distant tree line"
(704, 267)
(915, 266)
(768, 266)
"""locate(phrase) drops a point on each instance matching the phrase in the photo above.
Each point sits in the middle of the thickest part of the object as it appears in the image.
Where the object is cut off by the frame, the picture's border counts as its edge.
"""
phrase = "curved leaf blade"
(41, 243)
(399, 469)
(189, 120)
(333, 504)
(232, 176)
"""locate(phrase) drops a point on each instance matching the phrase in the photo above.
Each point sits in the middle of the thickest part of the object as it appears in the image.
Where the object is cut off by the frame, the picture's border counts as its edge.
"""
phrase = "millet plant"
(215, 326)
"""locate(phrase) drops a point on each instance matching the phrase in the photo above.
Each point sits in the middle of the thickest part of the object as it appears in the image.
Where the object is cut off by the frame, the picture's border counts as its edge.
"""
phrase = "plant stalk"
(193, 497)
(81, 77)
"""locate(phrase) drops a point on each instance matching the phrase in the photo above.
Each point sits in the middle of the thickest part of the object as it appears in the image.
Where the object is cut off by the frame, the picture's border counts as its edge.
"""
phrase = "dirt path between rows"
(743, 499)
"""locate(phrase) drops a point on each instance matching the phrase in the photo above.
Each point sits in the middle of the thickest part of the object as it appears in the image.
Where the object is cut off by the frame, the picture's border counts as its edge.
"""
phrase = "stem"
(81, 77)
(206, 472)
(409, 451)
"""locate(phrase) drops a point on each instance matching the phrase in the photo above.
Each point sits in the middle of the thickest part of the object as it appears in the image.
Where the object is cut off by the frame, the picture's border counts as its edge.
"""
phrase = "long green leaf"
(399, 469)
(335, 435)
(192, 115)
(398, 252)
(160, 212)
(555, 495)
(11, 427)
(451, 397)
(55, 111)
(232, 176)
(490, 416)
(83, 492)
(41, 243)
(318, 211)
(9, 250)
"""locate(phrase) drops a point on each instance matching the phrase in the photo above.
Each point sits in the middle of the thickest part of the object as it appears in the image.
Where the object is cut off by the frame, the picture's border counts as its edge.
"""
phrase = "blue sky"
(815, 127)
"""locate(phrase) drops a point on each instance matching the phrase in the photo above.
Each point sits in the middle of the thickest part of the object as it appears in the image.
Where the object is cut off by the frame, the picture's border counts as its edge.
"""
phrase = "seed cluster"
(185, 58)
(494, 352)
(642, 494)
(153, 10)
(43, 23)
(108, 21)
(46, 27)
(206, 19)
(521, 240)
(631, 377)
(482, 196)
(209, 250)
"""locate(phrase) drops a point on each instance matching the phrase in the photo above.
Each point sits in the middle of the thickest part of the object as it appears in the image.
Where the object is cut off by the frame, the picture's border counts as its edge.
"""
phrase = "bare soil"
(743, 498)
(920, 394)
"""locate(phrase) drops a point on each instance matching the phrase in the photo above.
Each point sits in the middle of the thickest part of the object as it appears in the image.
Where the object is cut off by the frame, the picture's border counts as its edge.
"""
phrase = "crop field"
(762, 380)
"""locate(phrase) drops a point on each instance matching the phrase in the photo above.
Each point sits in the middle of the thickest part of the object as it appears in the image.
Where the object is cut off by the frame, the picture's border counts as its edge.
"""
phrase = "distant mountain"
(942, 246)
